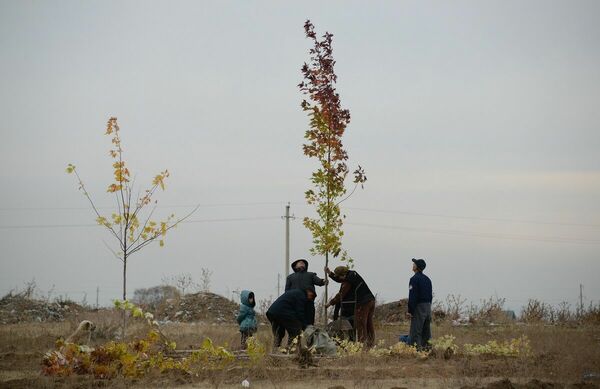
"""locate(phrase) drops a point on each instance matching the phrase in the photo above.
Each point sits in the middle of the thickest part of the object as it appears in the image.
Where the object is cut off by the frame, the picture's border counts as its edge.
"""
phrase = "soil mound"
(532, 384)
(203, 306)
(393, 312)
(17, 308)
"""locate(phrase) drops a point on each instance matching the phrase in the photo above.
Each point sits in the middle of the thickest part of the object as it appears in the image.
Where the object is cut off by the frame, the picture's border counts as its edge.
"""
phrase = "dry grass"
(560, 354)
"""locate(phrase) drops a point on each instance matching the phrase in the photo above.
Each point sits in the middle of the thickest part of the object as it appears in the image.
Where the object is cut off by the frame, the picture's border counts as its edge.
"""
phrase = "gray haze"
(472, 119)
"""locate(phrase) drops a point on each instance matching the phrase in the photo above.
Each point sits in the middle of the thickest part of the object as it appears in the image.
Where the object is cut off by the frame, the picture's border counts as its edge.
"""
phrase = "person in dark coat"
(419, 306)
(344, 309)
(301, 278)
(364, 302)
(289, 314)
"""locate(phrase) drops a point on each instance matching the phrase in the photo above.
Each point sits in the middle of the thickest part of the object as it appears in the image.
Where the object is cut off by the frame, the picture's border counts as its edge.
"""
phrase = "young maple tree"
(131, 230)
(328, 121)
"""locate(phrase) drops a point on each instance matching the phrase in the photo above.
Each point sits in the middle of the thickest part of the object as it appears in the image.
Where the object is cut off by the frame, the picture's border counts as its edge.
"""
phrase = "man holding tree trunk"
(364, 298)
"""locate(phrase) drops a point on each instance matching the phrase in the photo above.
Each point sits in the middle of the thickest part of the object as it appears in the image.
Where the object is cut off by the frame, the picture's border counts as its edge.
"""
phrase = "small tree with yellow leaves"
(127, 225)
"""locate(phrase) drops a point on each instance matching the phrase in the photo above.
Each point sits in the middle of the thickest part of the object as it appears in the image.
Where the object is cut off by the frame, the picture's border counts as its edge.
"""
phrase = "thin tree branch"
(149, 195)
(144, 226)
(87, 195)
(121, 216)
(149, 240)
(112, 251)
(347, 197)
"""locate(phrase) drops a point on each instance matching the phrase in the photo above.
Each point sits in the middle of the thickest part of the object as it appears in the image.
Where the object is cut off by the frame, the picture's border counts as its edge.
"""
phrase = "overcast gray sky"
(477, 124)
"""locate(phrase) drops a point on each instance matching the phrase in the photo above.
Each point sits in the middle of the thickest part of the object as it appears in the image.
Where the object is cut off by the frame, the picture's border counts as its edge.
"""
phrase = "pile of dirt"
(198, 307)
(393, 312)
(532, 384)
(17, 308)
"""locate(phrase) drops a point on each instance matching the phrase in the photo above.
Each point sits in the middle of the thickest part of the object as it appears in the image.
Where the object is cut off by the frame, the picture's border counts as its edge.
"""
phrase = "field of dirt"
(562, 357)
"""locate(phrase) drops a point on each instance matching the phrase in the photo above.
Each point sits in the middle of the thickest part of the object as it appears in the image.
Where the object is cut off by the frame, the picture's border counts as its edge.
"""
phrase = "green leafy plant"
(444, 346)
(516, 347)
(256, 350)
(328, 122)
(210, 355)
(347, 347)
(132, 359)
(398, 350)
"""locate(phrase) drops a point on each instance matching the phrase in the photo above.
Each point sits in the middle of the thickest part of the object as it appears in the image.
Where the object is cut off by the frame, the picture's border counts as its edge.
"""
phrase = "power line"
(34, 226)
(207, 205)
(249, 204)
(474, 217)
(239, 219)
(490, 235)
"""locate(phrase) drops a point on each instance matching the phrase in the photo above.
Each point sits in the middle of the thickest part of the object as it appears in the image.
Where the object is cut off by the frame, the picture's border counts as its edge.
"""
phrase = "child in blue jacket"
(247, 317)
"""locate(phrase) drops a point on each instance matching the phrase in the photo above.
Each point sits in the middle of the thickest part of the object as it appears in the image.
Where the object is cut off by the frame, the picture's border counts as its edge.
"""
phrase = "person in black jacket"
(419, 306)
(301, 278)
(364, 302)
(289, 314)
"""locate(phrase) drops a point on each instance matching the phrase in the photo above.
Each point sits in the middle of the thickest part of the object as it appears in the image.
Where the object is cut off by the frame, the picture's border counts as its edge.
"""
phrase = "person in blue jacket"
(419, 306)
(290, 313)
(247, 317)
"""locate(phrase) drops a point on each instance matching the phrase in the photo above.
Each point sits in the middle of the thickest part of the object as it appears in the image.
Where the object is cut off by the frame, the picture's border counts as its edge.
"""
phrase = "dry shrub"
(490, 311)
(536, 312)
(264, 304)
(563, 313)
(591, 315)
(455, 306)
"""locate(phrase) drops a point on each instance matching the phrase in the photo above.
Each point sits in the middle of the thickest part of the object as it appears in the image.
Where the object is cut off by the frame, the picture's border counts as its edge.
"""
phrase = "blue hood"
(245, 297)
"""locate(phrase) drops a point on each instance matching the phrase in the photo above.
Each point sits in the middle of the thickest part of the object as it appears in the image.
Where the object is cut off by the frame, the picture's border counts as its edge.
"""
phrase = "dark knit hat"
(341, 271)
(420, 263)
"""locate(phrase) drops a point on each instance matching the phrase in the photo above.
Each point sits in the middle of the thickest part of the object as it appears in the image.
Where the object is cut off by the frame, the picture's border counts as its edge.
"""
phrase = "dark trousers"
(420, 326)
(363, 322)
(245, 335)
(281, 325)
(310, 312)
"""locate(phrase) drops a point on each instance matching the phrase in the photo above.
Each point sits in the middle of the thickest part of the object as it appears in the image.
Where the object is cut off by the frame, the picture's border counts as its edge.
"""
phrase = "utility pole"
(278, 285)
(580, 299)
(97, 295)
(287, 218)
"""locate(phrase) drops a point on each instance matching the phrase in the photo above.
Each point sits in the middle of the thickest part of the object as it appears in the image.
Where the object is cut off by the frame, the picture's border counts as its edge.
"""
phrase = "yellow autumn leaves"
(151, 228)
(127, 224)
(121, 174)
(160, 179)
(112, 125)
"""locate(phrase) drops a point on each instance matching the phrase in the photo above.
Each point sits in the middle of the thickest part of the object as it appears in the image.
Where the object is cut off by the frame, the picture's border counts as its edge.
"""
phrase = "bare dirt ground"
(562, 357)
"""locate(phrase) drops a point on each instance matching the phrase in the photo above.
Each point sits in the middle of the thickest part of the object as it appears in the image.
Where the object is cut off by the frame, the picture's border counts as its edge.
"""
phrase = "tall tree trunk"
(124, 278)
(325, 300)
(124, 295)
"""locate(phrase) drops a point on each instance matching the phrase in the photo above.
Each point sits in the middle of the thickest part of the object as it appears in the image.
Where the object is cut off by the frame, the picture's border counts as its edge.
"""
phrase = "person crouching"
(290, 313)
